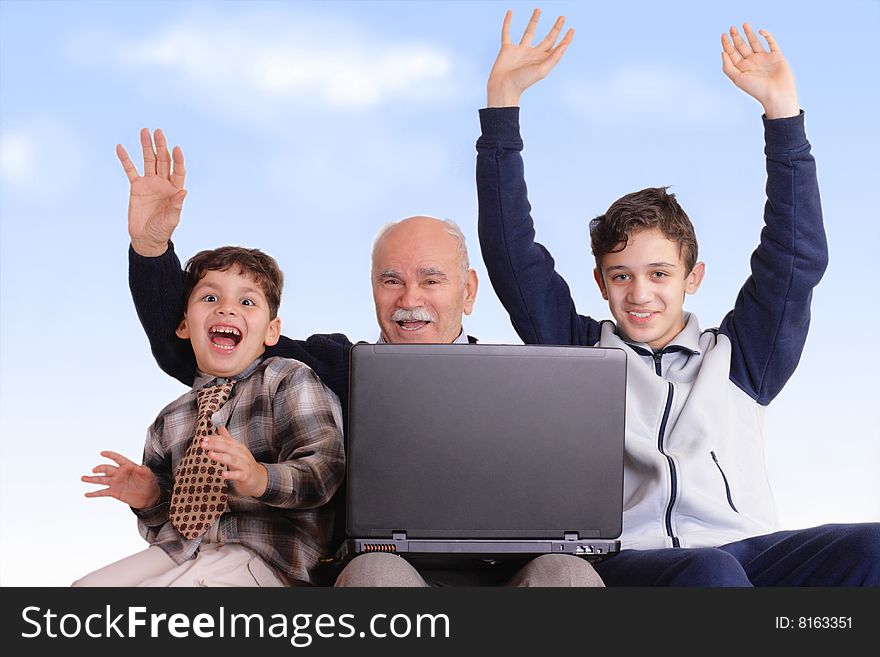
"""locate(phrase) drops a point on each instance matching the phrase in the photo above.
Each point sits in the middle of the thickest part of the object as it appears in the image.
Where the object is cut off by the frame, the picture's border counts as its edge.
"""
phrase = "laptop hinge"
(571, 536)
(398, 536)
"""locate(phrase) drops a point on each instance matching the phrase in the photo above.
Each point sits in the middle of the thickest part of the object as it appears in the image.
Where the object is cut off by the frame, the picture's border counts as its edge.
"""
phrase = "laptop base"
(476, 550)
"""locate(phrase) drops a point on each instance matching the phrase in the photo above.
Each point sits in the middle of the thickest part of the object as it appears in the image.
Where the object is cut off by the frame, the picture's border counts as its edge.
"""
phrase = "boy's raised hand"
(519, 65)
(766, 76)
(127, 481)
(156, 198)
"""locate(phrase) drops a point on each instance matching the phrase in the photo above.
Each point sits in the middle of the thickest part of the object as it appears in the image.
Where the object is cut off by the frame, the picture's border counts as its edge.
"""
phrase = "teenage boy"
(698, 507)
(269, 448)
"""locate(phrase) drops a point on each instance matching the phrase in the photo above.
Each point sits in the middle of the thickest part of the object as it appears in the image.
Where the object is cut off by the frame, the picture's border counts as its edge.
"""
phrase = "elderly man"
(422, 286)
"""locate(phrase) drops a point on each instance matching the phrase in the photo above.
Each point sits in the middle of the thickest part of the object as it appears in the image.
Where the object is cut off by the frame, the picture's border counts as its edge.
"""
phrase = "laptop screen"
(485, 441)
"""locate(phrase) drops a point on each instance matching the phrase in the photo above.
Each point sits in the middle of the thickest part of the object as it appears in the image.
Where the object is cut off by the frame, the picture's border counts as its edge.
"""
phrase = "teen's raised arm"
(771, 317)
(521, 270)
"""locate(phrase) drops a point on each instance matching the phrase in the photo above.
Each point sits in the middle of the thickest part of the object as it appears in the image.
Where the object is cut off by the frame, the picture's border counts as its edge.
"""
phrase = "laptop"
(480, 452)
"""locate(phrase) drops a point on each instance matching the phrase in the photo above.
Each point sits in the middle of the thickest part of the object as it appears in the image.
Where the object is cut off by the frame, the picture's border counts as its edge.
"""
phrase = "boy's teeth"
(640, 315)
(225, 337)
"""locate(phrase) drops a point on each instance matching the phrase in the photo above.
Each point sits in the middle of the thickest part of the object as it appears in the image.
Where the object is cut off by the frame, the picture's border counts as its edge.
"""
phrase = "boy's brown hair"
(643, 210)
(253, 263)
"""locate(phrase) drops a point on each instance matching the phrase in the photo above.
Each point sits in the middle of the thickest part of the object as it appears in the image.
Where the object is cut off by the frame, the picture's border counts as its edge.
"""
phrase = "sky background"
(307, 126)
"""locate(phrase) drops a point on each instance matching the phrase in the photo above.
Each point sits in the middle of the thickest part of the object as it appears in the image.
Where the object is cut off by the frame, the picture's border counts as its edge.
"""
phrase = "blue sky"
(307, 126)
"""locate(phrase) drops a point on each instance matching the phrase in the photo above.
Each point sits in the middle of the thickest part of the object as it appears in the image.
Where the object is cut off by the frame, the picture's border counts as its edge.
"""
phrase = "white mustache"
(418, 314)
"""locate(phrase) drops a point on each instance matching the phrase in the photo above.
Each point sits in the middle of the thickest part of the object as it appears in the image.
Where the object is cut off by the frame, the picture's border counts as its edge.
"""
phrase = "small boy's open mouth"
(226, 337)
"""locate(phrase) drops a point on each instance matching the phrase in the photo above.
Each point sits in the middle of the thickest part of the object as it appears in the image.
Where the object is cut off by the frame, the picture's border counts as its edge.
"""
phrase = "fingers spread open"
(727, 65)
(114, 456)
(727, 45)
(552, 35)
(127, 165)
(739, 43)
(529, 35)
(505, 28)
(149, 153)
(101, 492)
(163, 158)
(774, 47)
(557, 52)
(178, 174)
(754, 41)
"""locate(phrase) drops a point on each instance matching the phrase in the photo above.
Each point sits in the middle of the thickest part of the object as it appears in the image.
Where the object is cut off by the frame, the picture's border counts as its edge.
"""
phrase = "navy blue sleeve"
(327, 354)
(156, 286)
(521, 271)
(771, 317)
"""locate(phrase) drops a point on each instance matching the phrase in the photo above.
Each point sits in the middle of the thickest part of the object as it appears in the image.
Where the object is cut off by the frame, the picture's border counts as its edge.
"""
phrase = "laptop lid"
(485, 442)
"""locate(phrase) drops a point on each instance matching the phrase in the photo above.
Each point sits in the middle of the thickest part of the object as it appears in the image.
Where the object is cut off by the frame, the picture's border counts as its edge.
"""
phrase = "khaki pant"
(382, 569)
(215, 564)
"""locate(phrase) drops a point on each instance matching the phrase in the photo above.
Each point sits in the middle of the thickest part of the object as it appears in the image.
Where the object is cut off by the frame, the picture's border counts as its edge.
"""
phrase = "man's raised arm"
(155, 277)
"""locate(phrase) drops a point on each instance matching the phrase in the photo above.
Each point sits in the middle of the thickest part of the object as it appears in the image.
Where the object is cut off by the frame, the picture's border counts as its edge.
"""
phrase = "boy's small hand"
(250, 477)
(766, 76)
(156, 198)
(127, 481)
(519, 65)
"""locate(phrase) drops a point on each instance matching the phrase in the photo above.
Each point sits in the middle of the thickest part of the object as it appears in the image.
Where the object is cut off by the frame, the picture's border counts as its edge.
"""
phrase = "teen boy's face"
(227, 321)
(645, 284)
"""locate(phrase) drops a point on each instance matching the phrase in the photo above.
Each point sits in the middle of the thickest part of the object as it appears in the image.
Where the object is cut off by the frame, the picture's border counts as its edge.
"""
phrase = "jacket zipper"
(726, 484)
(673, 476)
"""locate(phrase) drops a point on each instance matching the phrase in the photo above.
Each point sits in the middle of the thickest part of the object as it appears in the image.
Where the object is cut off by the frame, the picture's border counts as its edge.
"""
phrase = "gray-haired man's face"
(419, 288)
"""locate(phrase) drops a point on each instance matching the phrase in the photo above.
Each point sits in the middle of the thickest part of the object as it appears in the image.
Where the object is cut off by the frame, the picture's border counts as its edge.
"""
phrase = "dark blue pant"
(829, 555)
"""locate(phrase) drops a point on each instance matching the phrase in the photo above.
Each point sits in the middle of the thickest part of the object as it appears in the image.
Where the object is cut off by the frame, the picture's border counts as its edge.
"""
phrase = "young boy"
(267, 458)
(698, 507)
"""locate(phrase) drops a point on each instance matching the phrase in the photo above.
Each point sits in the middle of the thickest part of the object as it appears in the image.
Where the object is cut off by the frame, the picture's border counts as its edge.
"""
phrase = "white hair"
(452, 228)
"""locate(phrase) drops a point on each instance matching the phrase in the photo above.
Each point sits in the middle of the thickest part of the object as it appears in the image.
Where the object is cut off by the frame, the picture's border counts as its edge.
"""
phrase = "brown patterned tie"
(199, 488)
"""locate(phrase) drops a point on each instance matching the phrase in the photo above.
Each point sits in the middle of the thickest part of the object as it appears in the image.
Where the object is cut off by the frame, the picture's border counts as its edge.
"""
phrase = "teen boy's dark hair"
(253, 263)
(643, 210)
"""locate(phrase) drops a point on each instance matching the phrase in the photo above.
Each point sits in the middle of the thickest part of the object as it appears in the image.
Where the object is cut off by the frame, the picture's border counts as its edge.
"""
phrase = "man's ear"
(692, 283)
(470, 291)
(273, 332)
(600, 282)
(182, 329)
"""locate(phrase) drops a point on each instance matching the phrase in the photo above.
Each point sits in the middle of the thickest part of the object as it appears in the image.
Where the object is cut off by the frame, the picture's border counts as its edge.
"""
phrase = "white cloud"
(660, 93)
(33, 151)
(261, 64)
(17, 166)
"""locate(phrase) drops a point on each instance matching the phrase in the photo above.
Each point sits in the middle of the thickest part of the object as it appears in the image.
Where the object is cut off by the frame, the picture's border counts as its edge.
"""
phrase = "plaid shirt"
(292, 424)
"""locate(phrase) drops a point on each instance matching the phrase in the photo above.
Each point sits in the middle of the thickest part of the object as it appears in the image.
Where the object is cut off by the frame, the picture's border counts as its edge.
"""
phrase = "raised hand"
(765, 76)
(519, 65)
(156, 198)
(127, 481)
(250, 477)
